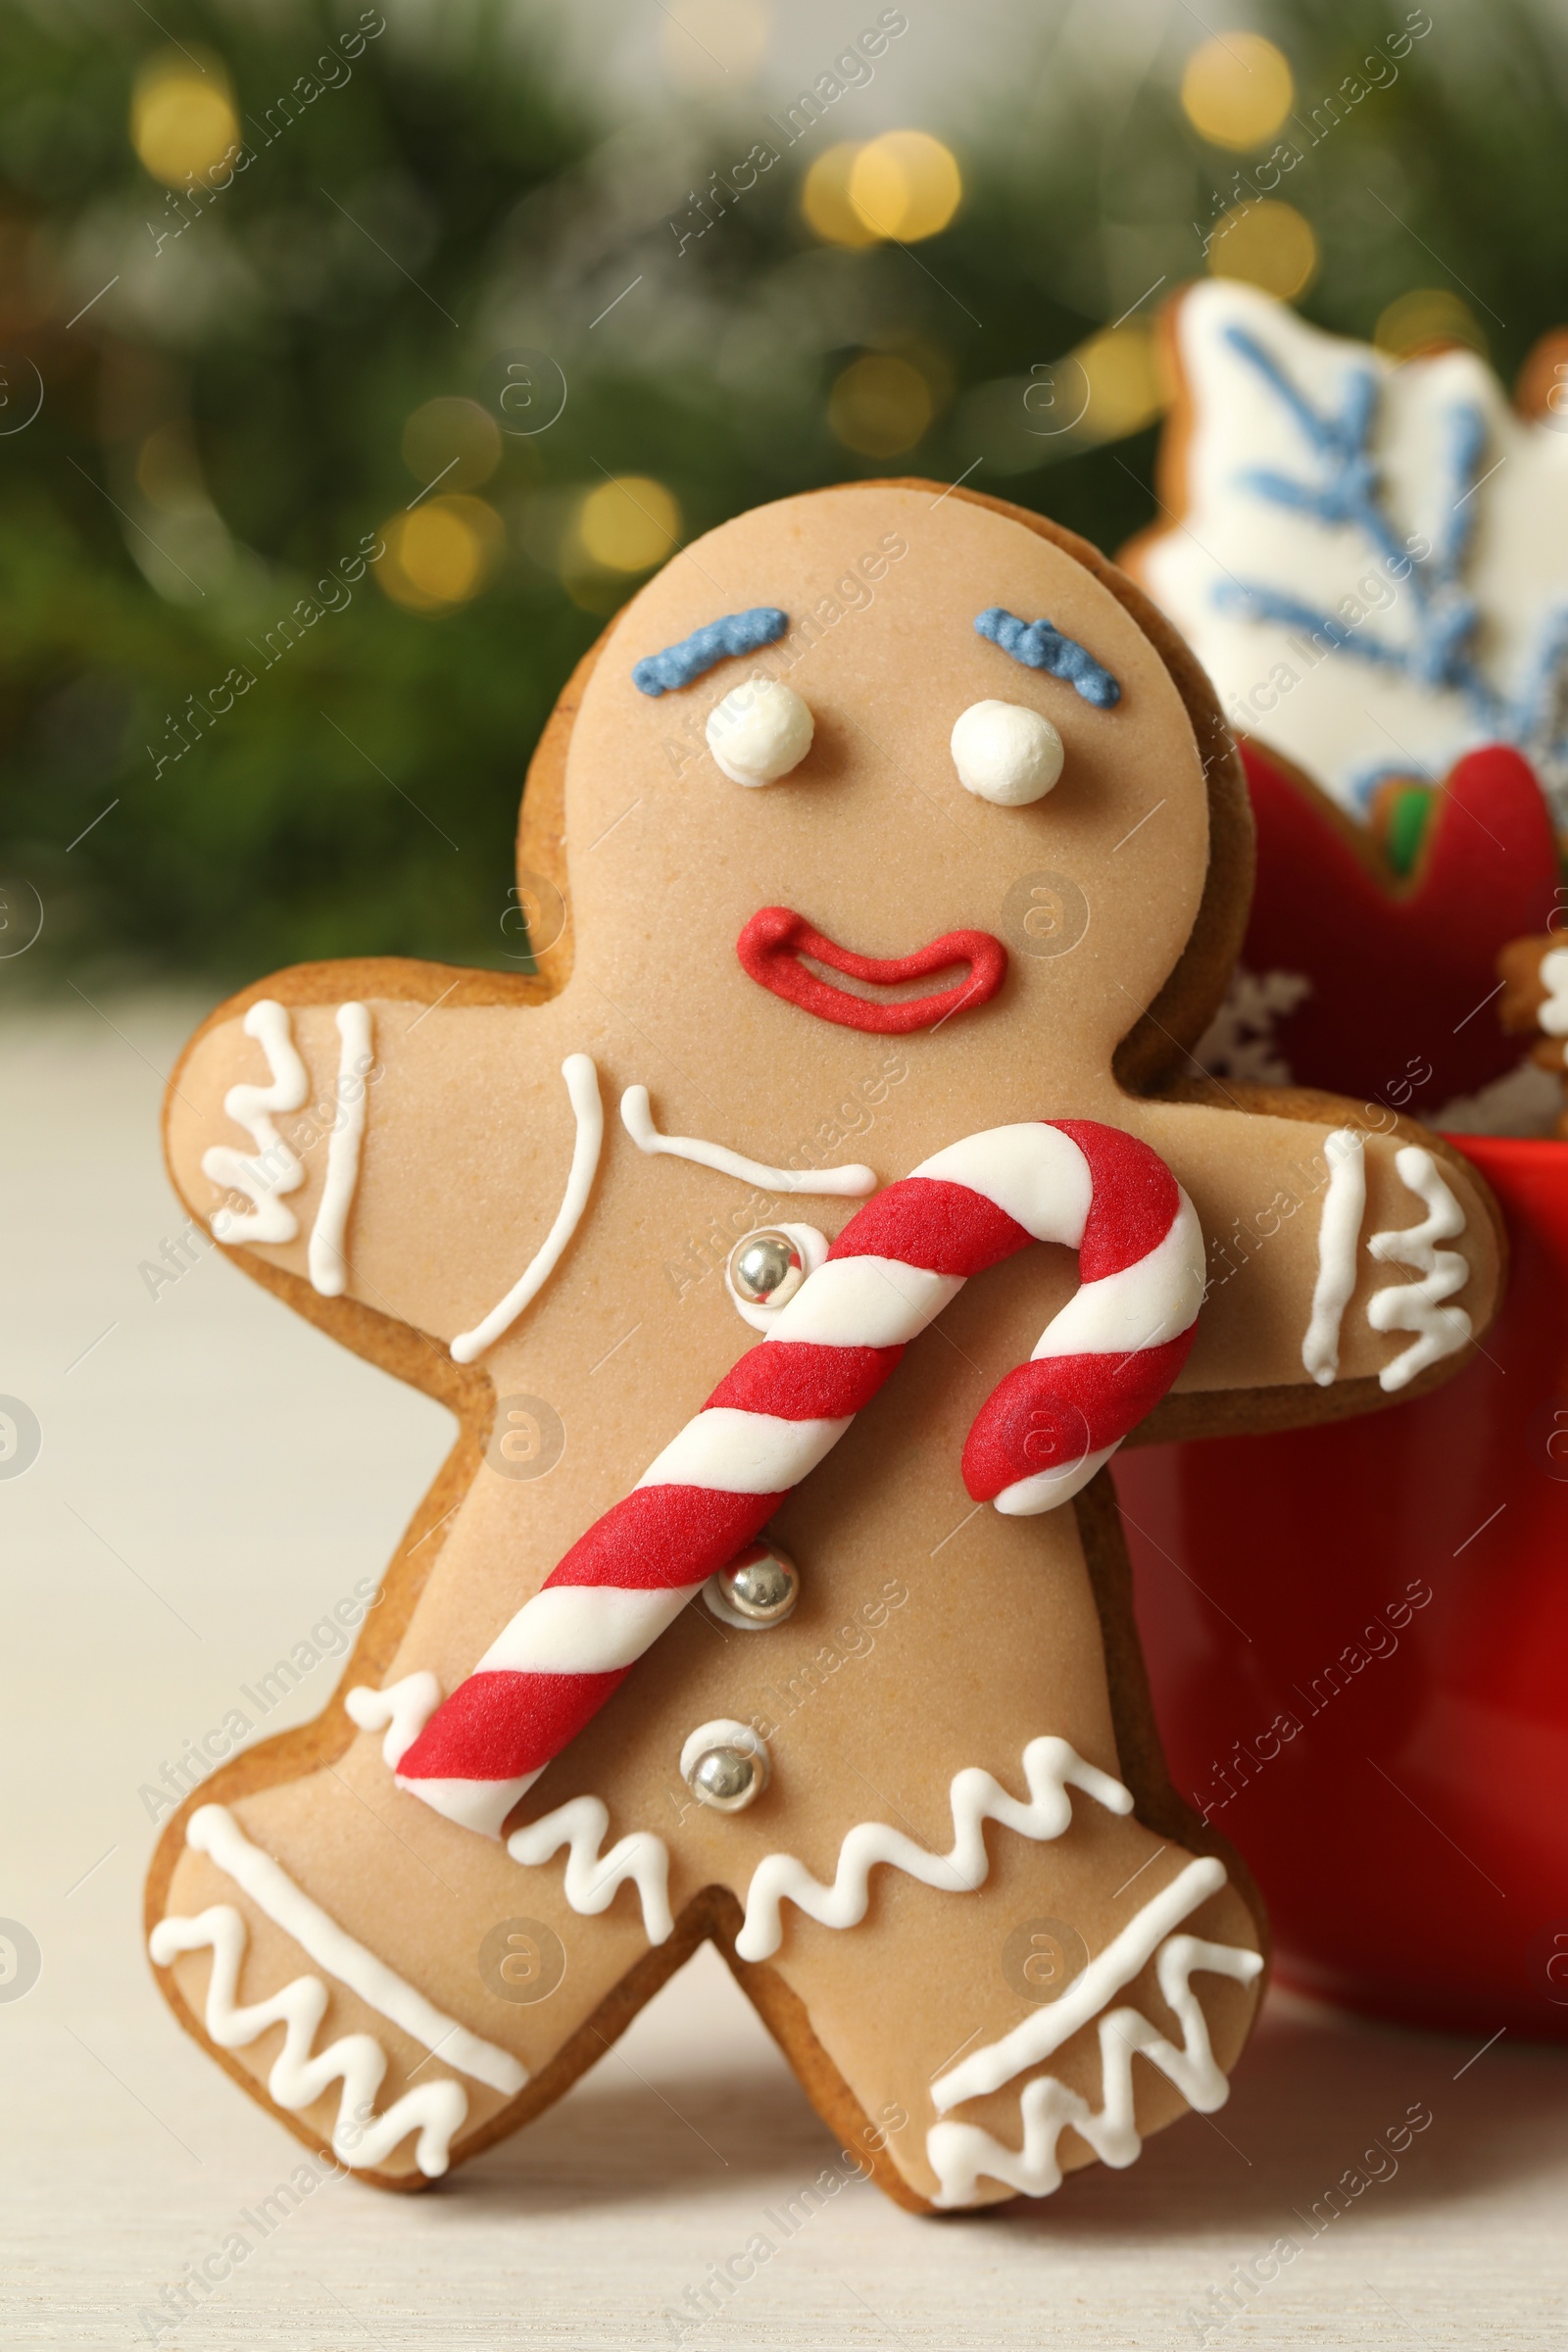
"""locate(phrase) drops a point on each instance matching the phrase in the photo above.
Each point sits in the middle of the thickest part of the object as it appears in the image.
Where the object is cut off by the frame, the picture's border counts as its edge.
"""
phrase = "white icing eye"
(1006, 753)
(760, 731)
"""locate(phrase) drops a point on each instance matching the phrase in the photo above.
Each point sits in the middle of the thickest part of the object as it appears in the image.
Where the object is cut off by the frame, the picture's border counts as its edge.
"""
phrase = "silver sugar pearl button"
(725, 1779)
(726, 1765)
(767, 1268)
(758, 1588)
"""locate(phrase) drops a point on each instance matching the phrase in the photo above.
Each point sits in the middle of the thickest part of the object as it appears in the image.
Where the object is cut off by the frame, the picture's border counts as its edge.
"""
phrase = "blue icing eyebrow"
(736, 633)
(1038, 646)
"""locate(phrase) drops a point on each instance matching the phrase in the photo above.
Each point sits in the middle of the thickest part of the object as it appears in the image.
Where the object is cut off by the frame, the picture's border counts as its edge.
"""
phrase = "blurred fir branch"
(228, 422)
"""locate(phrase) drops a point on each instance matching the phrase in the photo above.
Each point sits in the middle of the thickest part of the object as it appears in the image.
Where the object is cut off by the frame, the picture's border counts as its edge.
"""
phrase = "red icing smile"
(775, 939)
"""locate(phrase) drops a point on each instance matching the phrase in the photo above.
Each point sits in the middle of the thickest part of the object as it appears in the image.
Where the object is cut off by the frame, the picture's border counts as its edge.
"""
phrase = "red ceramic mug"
(1358, 1636)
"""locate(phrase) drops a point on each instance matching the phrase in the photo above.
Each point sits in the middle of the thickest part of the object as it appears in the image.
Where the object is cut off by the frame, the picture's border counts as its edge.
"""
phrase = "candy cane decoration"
(1100, 1367)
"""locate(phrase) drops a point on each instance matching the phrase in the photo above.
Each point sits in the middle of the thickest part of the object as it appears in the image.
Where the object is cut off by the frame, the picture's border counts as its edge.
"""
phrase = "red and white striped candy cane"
(1101, 1365)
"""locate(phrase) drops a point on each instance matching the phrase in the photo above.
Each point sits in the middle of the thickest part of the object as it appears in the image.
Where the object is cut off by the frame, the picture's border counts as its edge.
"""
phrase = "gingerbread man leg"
(908, 855)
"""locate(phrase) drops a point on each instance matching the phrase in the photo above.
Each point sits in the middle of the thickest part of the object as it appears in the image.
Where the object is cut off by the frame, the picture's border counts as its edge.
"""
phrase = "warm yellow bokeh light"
(1428, 318)
(905, 184)
(712, 45)
(628, 525)
(1236, 89)
(1121, 369)
(441, 555)
(452, 442)
(182, 118)
(879, 405)
(1265, 244)
(825, 199)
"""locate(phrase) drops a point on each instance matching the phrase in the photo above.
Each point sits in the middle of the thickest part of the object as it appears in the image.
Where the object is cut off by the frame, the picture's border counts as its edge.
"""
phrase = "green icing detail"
(1407, 825)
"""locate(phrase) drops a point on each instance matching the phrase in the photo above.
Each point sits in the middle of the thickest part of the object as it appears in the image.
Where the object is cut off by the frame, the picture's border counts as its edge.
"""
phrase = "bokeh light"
(182, 118)
(450, 441)
(1267, 244)
(711, 45)
(880, 404)
(1126, 391)
(825, 198)
(905, 184)
(1236, 89)
(628, 525)
(442, 555)
(1428, 318)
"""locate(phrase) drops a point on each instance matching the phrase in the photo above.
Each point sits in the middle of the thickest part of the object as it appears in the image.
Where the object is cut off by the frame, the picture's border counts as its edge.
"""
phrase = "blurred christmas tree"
(375, 372)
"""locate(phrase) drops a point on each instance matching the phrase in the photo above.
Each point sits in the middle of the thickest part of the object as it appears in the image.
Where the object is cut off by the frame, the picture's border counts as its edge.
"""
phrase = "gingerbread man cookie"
(1367, 556)
(773, 1591)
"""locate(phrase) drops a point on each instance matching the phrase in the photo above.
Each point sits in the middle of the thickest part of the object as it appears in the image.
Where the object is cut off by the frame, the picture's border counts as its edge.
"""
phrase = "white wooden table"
(212, 1476)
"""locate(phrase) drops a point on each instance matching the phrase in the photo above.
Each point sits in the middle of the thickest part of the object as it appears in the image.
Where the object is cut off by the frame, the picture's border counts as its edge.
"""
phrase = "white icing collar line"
(851, 1182)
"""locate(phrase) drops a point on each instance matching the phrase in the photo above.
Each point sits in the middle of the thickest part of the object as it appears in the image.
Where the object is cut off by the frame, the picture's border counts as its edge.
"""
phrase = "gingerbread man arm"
(389, 1326)
(1535, 1003)
(1535, 994)
(1351, 1256)
(306, 1125)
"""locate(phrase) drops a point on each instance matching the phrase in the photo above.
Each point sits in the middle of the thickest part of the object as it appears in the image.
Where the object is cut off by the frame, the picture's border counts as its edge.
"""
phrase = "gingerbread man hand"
(907, 855)
(1534, 1004)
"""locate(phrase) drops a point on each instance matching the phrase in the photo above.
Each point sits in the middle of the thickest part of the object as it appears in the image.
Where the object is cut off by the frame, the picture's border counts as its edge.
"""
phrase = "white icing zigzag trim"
(275, 1167)
(1418, 1305)
(1552, 1014)
(405, 1707)
(298, 2079)
(1046, 2030)
(213, 1830)
(961, 2154)
(852, 1181)
(582, 1086)
(1051, 1766)
(593, 1876)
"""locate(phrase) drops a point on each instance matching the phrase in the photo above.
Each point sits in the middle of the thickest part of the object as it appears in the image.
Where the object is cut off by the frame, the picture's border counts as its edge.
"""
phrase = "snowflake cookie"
(1369, 559)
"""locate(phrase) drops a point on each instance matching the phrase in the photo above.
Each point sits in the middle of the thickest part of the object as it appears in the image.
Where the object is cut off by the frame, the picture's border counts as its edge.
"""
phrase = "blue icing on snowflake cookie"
(1039, 645)
(716, 641)
(1349, 490)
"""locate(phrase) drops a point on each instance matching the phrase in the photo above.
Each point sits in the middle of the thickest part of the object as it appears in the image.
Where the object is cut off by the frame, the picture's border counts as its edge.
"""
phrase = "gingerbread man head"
(907, 857)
